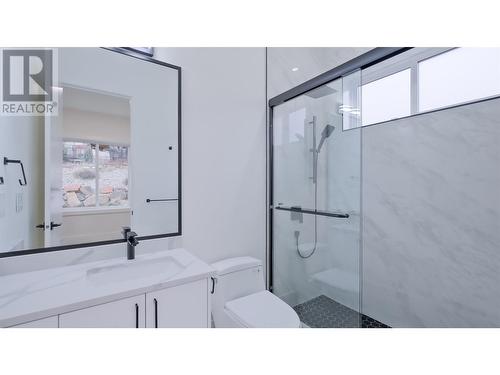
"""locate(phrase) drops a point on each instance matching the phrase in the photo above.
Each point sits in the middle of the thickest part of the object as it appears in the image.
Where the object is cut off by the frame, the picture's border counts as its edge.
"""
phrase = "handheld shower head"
(327, 131)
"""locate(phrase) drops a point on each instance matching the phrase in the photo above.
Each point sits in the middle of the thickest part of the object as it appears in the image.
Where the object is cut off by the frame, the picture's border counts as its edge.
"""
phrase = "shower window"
(458, 76)
(386, 98)
(426, 79)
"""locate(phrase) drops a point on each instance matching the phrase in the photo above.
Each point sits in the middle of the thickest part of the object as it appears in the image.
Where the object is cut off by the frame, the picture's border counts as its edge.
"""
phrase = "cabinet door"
(124, 313)
(50, 322)
(182, 306)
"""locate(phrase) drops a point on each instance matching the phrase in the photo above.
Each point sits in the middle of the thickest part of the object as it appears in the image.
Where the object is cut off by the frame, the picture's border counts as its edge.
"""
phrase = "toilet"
(240, 299)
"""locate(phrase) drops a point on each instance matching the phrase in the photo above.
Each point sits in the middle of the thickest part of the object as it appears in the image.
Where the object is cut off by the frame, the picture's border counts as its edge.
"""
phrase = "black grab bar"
(313, 212)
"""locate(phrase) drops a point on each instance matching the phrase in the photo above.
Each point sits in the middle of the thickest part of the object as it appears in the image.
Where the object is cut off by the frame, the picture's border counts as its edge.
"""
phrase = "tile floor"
(324, 312)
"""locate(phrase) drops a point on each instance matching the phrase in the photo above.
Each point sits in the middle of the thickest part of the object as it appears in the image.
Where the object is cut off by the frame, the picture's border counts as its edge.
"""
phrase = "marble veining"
(431, 219)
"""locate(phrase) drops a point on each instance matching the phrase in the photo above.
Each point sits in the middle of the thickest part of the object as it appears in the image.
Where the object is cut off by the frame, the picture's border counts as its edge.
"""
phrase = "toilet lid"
(262, 310)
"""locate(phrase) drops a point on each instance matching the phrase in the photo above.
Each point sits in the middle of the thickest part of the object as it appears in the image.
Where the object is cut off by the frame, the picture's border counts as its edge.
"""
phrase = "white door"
(183, 306)
(53, 175)
(124, 313)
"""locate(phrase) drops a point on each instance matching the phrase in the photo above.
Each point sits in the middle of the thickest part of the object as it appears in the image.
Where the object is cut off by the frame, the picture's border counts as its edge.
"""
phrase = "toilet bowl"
(241, 300)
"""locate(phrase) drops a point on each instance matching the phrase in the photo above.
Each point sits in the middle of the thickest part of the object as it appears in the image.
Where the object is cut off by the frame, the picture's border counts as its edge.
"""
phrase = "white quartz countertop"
(34, 295)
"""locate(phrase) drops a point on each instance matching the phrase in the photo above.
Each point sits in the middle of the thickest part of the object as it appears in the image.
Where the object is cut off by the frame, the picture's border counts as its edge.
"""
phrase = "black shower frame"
(363, 61)
(145, 57)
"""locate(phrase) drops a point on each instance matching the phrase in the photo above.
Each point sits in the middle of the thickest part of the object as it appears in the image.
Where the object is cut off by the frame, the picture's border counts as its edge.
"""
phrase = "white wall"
(21, 138)
(90, 226)
(223, 150)
(94, 126)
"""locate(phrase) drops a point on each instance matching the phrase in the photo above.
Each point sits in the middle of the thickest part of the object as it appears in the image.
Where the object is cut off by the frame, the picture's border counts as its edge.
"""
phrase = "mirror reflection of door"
(91, 198)
(52, 217)
(21, 207)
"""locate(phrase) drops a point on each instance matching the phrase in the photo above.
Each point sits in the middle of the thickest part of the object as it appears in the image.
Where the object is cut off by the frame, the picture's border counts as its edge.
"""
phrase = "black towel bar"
(160, 200)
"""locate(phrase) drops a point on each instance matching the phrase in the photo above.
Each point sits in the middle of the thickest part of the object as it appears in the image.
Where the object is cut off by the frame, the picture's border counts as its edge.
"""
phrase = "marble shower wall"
(431, 215)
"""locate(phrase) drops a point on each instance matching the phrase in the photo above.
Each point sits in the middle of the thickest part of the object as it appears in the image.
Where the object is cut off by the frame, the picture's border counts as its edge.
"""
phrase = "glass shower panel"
(316, 199)
(324, 287)
(291, 154)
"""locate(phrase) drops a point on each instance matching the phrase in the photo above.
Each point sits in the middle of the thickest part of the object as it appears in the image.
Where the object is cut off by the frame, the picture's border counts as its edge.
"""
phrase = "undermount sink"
(167, 267)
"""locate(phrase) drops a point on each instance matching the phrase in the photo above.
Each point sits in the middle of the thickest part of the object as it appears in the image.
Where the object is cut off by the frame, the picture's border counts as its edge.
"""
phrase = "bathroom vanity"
(162, 289)
(109, 157)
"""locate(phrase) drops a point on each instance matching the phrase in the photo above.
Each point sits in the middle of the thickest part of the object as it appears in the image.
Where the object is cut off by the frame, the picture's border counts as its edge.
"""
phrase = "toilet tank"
(236, 277)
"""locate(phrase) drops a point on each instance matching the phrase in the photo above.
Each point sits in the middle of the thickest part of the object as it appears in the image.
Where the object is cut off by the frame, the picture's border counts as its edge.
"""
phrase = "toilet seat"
(262, 310)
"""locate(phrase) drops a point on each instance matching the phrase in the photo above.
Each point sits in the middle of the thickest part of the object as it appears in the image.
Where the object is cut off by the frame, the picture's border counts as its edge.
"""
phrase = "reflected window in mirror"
(94, 178)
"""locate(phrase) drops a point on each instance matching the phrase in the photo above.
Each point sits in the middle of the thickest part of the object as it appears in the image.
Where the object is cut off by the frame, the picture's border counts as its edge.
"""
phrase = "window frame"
(397, 69)
(98, 208)
(409, 60)
(476, 100)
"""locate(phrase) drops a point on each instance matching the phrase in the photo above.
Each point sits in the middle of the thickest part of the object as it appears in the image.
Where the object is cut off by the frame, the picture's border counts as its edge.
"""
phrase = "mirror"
(108, 156)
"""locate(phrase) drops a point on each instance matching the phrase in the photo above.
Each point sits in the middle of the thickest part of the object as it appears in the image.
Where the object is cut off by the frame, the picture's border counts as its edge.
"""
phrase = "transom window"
(427, 79)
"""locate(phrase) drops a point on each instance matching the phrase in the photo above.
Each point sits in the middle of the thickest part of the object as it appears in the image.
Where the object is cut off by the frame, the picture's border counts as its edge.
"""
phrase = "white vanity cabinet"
(124, 313)
(170, 288)
(50, 322)
(182, 306)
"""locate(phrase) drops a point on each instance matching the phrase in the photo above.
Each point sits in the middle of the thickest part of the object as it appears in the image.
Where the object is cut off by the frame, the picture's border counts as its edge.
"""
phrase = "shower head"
(327, 131)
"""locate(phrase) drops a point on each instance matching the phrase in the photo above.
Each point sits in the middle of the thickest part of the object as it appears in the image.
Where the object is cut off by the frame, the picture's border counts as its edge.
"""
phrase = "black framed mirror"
(107, 155)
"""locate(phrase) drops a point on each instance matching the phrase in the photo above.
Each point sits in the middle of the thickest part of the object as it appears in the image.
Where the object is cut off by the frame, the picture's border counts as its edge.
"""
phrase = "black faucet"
(132, 242)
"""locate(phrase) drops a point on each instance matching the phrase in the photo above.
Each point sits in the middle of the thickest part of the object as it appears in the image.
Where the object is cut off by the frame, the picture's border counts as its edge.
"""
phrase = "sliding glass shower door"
(316, 165)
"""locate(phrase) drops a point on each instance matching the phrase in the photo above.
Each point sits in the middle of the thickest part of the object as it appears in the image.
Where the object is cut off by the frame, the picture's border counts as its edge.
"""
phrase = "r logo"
(27, 75)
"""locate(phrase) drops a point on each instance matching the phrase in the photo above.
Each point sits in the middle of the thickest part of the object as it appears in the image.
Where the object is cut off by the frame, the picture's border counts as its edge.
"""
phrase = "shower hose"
(297, 233)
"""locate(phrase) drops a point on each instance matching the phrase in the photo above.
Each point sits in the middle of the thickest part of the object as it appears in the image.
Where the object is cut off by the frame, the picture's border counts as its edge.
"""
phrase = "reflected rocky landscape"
(81, 181)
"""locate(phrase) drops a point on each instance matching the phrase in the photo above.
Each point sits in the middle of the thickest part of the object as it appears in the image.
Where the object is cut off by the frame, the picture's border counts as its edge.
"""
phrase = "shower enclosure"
(315, 193)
